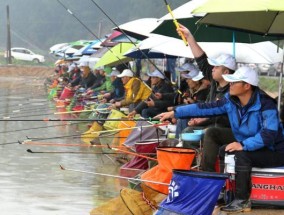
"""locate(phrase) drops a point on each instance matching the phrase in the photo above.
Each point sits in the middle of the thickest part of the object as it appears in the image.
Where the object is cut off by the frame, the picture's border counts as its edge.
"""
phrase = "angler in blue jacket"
(258, 138)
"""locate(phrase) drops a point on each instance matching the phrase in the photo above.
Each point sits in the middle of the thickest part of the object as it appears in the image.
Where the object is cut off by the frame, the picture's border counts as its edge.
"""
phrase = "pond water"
(33, 183)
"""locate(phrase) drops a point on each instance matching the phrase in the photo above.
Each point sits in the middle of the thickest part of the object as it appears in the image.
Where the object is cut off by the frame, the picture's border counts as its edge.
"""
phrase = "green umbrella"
(264, 17)
(114, 56)
(203, 33)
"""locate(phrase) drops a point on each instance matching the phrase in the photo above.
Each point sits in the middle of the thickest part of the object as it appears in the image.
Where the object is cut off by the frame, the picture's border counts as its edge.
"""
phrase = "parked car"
(26, 55)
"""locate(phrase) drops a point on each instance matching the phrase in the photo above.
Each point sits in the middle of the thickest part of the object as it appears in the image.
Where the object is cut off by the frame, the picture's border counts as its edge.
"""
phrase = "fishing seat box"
(267, 186)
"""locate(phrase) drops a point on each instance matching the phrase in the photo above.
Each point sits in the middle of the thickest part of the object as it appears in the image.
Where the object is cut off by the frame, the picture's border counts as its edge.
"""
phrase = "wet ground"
(33, 183)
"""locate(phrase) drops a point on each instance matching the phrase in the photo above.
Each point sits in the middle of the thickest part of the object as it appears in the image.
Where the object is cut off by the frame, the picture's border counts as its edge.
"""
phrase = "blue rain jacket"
(255, 125)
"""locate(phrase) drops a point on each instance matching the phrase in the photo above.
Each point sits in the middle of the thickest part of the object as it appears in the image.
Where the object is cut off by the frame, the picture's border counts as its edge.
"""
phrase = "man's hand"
(196, 121)
(234, 146)
(150, 102)
(159, 96)
(163, 116)
(182, 30)
(131, 115)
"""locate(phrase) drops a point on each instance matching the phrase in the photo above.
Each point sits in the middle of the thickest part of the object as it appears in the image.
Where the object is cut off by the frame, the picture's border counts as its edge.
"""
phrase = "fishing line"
(85, 135)
(114, 176)
(27, 110)
(19, 116)
(49, 126)
(71, 152)
(149, 60)
(72, 14)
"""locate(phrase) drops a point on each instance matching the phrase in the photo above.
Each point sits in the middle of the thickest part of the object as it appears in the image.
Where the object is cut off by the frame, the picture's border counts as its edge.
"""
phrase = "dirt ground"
(38, 71)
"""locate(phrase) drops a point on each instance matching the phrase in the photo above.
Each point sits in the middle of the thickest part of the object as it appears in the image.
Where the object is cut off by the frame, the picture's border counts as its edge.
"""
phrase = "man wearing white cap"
(162, 97)
(213, 70)
(258, 137)
(135, 90)
(197, 91)
(117, 92)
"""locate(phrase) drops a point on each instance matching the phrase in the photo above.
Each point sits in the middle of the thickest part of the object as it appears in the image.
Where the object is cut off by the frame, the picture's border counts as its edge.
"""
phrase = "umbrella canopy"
(203, 33)
(108, 41)
(139, 28)
(115, 55)
(264, 17)
(162, 46)
(55, 47)
(88, 49)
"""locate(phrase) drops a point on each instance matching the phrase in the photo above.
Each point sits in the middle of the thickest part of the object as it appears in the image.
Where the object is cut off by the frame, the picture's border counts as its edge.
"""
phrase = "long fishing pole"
(133, 153)
(75, 120)
(149, 60)
(80, 111)
(96, 132)
(71, 152)
(76, 152)
(20, 116)
(30, 142)
(34, 128)
(175, 21)
(72, 14)
(17, 111)
(114, 176)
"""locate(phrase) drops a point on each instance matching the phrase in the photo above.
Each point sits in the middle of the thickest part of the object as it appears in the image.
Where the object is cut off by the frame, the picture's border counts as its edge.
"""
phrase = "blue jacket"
(255, 126)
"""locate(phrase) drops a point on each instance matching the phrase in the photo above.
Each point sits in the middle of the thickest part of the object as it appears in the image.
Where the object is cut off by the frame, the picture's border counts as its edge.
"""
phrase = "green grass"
(270, 84)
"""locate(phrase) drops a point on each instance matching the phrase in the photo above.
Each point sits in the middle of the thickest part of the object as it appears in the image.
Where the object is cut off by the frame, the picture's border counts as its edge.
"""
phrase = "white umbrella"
(58, 46)
(139, 28)
(263, 52)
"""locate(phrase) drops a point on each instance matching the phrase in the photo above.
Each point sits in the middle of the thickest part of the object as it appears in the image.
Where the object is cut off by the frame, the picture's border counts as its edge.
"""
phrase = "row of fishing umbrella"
(157, 38)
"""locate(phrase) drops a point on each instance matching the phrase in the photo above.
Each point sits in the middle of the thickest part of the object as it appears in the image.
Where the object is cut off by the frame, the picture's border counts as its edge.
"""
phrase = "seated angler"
(156, 103)
(257, 137)
(135, 90)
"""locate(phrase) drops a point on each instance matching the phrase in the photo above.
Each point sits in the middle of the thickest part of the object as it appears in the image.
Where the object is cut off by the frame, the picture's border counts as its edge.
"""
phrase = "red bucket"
(67, 93)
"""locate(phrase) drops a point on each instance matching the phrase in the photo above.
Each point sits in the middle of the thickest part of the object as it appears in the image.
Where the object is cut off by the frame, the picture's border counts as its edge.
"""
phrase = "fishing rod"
(30, 142)
(114, 176)
(75, 120)
(27, 104)
(72, 14)
(34, 128)
(27, 110)
(18, 98)
(149, 60)
(144, 54)
(20, 116)
(96, 132)
(175, 21)
(71, 152)
(133, 153)
(80, 111)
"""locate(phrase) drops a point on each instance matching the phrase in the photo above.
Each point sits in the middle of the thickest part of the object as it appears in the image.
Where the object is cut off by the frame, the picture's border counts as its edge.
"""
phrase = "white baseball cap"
(84, 63)
(198, 77)
(187, 67)
(192, 73)
(245, 74)
(156, 73)
(126, 72)
(114, 73)
(225, 60)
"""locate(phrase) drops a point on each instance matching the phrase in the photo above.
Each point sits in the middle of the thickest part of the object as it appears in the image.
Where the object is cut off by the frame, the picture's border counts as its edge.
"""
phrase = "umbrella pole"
(280, 84)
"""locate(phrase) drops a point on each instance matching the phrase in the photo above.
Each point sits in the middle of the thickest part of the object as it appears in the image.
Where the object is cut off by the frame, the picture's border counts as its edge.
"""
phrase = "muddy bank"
(38, 71)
